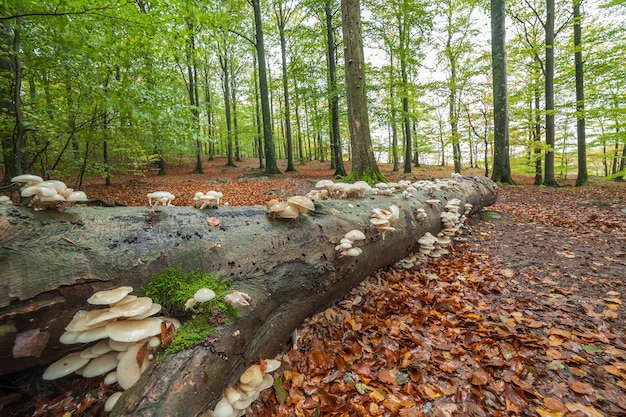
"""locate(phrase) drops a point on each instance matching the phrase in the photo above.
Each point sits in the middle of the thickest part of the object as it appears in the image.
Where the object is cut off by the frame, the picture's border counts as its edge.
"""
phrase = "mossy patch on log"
(173, 288)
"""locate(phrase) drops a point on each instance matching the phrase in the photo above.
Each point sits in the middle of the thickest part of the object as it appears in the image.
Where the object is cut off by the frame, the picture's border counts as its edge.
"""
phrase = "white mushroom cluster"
(238, 397)
(389, 189)
(289, 209)
(126, 337)
(163, 198)
(51, 194)
(345, 246)
(382, 219)
(326, 189)
(452, 220)
(5, 199)
(210, 199)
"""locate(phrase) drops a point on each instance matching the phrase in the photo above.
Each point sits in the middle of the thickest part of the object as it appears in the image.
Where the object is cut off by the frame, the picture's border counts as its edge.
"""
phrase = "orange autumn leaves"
(447, 339)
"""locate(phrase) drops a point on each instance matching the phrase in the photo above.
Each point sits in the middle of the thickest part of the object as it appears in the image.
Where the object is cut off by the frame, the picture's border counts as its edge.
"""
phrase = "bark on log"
(51, 262)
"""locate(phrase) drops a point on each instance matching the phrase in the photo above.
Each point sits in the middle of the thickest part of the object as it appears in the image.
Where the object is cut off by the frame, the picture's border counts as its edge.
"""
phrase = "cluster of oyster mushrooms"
(126, 335)
(238, 397)
(382, 219)
(51, 194)
(289, 209)
(325, 189)
(210, 199)
(345, 246)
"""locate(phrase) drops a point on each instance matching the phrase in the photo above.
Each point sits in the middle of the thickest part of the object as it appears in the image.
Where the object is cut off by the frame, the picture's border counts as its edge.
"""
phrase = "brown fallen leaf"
(554, 404)
(587, 410)
(581, 387)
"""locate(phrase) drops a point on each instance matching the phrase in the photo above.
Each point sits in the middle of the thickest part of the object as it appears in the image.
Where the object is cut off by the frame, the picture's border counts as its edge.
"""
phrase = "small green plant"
(173, 288)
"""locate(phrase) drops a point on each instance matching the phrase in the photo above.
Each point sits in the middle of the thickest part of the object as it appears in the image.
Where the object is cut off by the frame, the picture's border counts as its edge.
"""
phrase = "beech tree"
(364, 164)
(501, 164)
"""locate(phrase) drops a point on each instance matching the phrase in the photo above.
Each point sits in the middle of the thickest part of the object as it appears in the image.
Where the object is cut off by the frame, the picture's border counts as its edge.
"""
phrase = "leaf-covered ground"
(523, 318)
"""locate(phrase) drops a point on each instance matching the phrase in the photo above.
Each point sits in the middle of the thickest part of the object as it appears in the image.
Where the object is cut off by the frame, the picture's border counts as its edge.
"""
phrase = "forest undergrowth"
(523, 317)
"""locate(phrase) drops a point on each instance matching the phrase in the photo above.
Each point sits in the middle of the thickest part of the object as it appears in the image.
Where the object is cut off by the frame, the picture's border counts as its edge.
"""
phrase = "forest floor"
(524, 317)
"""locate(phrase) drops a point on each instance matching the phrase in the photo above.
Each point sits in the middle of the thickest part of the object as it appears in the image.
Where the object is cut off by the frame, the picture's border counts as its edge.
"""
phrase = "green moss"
(173, 288)
(369, 175)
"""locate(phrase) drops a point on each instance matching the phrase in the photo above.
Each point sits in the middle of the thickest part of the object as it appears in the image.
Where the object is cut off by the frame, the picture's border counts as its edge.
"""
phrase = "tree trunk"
(549, 178)
(268, 137)
(333, 93)
(281, 23)
(582, 177)
(53, 261)
(363, 160)
(501, 166)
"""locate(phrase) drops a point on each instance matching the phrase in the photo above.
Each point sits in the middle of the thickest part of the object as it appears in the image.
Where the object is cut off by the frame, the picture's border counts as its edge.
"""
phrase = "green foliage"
(173, 288)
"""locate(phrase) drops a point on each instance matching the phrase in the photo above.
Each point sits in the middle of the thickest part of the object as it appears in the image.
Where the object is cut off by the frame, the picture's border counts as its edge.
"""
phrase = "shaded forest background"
(94, 87)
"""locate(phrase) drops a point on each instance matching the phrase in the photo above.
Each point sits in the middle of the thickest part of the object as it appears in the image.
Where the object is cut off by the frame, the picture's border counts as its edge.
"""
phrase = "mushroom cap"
(271, 203)
(91, 335)
(346, 240)
(252, 376)
(161, 194)
(154, 309)
(324, 183)
(223, 409)
(133, 330)
(353, 252)
(49, 199)
(203, 295)
(427, 239)
(100, 365)
(109, 296)
(112, 400)
(96, 350)
(395, 213)
(271, 365)
(214, 194)
(111, 378)
(65, 366)
(128, 370)
(355, 235)
(27, 179)
(4, 199)
(231, 394)
(343, 246)
(132, 308)
(303, 203)
(288, 212)
(381, 185)
(378, 222)
(381, 214)
(77, 196)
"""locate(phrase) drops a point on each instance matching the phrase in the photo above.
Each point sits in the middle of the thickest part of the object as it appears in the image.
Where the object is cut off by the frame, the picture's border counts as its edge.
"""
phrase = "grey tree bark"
(53, 261)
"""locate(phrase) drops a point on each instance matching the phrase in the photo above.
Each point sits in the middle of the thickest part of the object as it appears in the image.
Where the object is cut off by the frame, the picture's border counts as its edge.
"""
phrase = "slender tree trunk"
(257, 110)
(582, 177)
(394, 122)
(549, 178)
(335, 134)
(227, 108)
(406, 121)
(209, 114)
(283, 53)
(363, 160)
(233, 92)
(501, 165)
(270, 152)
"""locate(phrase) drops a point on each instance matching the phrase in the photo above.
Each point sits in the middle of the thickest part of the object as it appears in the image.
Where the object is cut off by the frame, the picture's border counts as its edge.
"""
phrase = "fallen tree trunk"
(51, 262)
